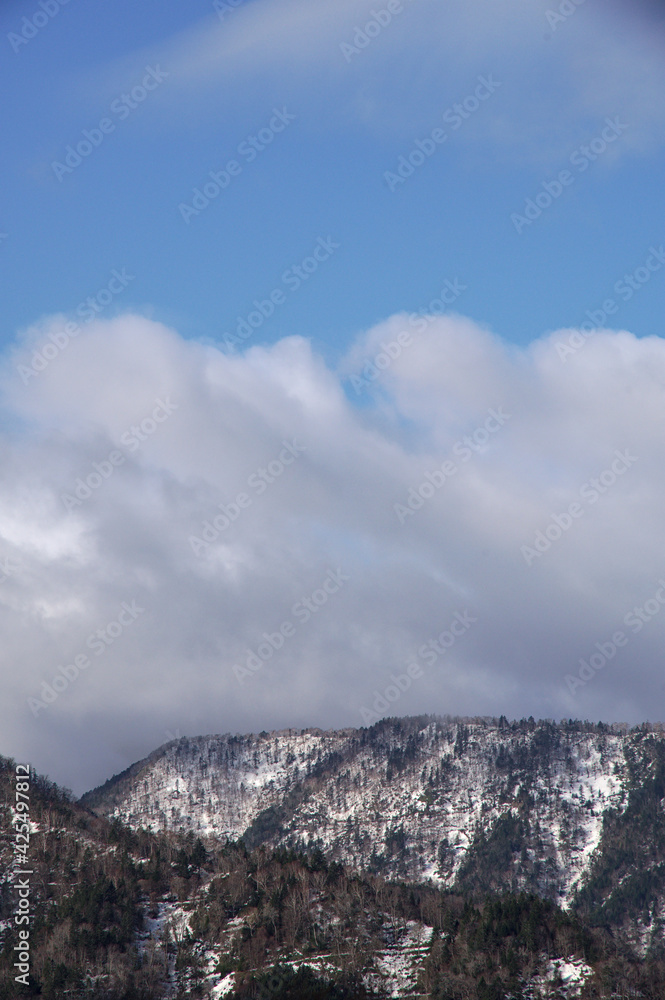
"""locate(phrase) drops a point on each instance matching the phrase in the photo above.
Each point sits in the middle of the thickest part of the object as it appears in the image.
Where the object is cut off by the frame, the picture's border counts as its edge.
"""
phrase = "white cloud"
(332, 507)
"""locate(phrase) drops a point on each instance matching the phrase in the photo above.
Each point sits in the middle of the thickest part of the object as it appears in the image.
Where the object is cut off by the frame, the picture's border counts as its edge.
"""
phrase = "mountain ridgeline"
(438, 859)
(571, 812)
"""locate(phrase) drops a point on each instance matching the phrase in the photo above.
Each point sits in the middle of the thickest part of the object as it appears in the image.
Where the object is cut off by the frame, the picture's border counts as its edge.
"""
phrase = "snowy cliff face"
(479, 805)
(214, 785)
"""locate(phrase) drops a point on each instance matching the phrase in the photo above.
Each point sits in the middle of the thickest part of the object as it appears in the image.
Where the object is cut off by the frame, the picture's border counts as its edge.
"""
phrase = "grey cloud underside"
(341, 506)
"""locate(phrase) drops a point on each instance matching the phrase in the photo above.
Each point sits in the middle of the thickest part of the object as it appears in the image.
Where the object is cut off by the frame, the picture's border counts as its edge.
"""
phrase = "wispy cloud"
(557, 85)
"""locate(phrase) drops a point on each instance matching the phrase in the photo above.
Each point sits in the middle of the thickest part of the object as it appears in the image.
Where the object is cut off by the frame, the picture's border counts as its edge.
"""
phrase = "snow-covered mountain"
(572, 811)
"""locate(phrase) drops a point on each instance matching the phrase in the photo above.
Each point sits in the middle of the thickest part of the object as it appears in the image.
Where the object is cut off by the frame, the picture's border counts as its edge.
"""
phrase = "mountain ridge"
(468, 804)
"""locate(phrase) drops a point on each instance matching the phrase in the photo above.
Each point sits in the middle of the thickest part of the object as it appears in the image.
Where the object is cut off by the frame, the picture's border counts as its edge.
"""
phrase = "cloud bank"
(195, 541)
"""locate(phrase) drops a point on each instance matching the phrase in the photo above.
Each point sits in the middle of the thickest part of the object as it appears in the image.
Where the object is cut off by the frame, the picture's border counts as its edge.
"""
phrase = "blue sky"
(441, 227)
(355, 115)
